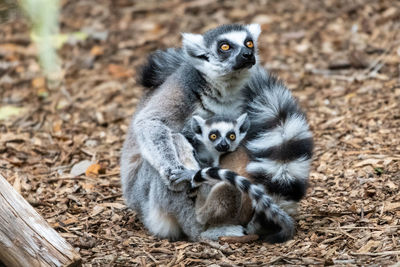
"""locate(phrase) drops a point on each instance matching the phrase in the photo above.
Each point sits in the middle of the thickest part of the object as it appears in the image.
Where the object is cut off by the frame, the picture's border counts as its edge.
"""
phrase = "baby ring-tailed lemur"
(213, 74)
(216, 136)
(219, 203)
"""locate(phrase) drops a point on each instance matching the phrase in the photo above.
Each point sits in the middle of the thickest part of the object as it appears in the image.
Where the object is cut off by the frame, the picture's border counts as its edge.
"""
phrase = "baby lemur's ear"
(243, 123)
(255, 30)
(194, 46)
(197, 124)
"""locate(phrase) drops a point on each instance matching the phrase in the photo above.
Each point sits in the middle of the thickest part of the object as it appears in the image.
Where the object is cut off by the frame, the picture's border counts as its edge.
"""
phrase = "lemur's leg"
(153, 127)
(140, 191)
(185, 153)
(159, 221)
(186, 215)
(221, 206)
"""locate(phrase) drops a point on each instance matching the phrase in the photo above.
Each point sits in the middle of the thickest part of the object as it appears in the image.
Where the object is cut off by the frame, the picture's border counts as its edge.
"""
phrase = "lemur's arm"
(162, 115)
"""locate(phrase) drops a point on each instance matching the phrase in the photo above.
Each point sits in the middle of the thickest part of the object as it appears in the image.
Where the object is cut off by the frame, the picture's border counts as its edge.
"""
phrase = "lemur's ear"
(255, 30)
(243, 122)
(197, 124)
(194, 46)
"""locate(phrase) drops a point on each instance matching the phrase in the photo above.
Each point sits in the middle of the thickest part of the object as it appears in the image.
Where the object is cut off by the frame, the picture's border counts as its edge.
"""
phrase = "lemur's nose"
(247, 54)
(222, 146)
(245, 59)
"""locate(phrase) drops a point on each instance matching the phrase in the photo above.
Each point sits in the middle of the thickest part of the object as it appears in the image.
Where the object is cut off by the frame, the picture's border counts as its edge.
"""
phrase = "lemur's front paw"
(180, 179)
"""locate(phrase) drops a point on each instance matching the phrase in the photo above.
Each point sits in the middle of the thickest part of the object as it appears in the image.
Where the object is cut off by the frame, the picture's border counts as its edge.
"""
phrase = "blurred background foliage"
(43, 18)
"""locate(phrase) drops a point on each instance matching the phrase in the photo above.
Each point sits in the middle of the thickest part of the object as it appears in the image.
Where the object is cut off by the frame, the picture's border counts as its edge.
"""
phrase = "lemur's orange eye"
(249, 44)
(212, 137)
(232, 137)
(225, 47)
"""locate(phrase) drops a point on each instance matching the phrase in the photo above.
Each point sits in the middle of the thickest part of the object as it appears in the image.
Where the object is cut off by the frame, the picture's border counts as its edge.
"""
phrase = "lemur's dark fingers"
(179, 176)
(178, 180)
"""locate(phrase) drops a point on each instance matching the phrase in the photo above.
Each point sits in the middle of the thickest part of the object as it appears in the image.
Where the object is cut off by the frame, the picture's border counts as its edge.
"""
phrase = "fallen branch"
(25, 237)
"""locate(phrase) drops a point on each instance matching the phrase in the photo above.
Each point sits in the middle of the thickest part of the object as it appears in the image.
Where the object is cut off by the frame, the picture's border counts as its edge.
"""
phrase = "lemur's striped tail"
(262, 203)
(159, 66)
(279, 142)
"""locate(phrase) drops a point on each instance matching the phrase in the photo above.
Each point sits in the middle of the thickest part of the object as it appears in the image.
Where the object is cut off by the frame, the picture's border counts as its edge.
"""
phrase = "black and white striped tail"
(279, 142)
(262, 203)
(159, 66)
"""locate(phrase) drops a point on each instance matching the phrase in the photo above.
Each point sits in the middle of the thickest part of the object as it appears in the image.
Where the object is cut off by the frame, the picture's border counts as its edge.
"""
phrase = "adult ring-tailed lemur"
(213, 74)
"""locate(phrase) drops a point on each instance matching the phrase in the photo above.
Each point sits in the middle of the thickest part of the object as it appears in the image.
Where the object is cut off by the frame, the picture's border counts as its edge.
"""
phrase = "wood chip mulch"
(340, 58)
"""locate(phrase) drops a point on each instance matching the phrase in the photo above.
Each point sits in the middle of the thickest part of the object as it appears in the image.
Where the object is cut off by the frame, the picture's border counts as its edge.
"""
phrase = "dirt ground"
(340, 58)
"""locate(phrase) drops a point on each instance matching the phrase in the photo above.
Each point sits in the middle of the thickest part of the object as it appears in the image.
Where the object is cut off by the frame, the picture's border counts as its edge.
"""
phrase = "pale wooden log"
(25, 237)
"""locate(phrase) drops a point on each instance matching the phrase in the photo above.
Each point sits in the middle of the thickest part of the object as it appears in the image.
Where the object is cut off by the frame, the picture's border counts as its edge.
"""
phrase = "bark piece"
(25, 237)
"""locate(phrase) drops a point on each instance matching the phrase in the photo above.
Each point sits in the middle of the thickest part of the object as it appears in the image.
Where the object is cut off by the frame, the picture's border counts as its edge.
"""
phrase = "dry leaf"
(7, 112)
(367, 247)
(71, 220)
(389, 206)
(39, 82)
(88, 186)
(93, 170)
(80, 167)
(97, 51)
(42, 92)
(239, 239)
(97, 210)
(57, 126)
(373, 162)
(119, 72)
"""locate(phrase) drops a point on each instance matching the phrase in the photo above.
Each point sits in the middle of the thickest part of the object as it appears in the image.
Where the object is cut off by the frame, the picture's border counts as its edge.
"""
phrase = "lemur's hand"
(180, 179)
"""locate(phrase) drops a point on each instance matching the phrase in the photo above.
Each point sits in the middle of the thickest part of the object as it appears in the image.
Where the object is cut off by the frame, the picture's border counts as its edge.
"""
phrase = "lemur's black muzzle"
(245, 59)
(223, 146)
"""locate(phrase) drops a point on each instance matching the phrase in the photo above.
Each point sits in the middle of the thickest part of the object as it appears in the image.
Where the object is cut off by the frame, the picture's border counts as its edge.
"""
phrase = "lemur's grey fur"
(209, 81)
(281, 165)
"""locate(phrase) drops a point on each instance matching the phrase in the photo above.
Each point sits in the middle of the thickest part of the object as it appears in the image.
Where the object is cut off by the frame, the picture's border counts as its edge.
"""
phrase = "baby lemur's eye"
(232, 137)
(225, 47)
(212, 137)
(250, 44)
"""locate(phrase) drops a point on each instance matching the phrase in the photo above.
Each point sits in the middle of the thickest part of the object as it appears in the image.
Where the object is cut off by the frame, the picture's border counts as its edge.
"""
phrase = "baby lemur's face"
(220, 134)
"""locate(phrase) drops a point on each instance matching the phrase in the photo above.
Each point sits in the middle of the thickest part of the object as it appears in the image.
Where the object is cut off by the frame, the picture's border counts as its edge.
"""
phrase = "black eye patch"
(225, 42)
(224, 53)
(213, 135)
(231, 135)
(246, 43)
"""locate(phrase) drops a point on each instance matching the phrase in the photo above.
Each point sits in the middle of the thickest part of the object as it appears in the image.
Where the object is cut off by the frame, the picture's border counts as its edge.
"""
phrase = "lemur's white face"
(225, 50)
(220, 136)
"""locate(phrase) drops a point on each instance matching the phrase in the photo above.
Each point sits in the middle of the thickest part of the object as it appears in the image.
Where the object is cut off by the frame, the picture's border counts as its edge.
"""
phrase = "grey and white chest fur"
(223, 96)
(228, 106)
